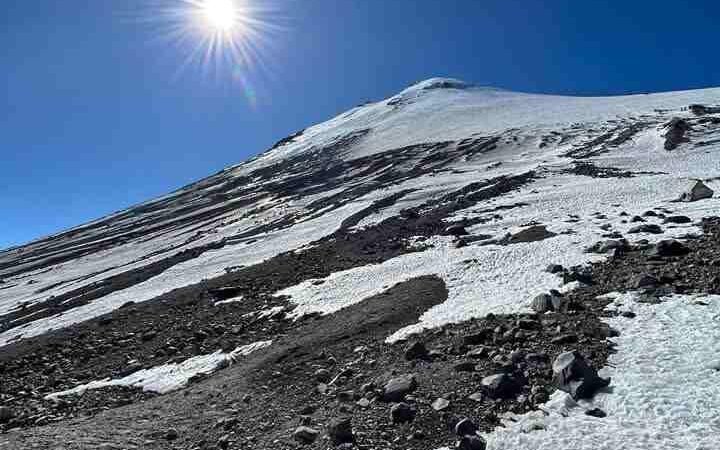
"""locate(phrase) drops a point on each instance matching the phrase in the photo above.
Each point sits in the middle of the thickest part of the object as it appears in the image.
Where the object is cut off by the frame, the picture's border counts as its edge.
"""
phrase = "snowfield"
(664, 391)
(590, 167)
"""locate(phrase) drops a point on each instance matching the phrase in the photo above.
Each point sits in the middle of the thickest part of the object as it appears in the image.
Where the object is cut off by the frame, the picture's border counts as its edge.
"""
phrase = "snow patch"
(169, 377)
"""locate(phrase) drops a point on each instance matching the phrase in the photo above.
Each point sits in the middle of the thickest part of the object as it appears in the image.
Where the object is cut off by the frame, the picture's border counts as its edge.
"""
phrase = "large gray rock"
(305, 435)
(396, 389)
(500, 386)
(543, 303)
(402, 413)
(572, 374)
(696, 191)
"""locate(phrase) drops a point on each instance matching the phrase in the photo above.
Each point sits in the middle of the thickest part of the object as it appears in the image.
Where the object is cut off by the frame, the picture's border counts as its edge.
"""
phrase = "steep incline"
(448, 201)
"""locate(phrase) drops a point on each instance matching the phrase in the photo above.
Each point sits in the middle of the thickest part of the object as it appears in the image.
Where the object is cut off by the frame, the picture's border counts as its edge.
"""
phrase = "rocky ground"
(333, 380)
(338, 366)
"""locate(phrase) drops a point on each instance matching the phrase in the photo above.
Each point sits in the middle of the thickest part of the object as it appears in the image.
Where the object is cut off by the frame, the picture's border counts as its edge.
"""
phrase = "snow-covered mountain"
(439, 208)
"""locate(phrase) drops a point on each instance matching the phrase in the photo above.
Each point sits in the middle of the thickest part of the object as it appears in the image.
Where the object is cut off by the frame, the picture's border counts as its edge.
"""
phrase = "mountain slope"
(438, 205)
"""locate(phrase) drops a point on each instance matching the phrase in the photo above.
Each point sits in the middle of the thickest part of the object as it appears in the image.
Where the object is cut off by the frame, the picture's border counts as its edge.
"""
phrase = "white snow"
(664, 387)
(169, 377)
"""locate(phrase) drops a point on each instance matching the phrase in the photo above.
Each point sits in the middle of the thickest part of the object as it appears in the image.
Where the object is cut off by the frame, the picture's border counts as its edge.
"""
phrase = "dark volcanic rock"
(340, 430)
(697, 191)
(456, 230)
(465, 427)
(396, 389)
(646, 228)
(305, 435)
(530, 234)
(572, 374)
(402, 413)
(415, 350)
(596, 412)
(500, 386)
(670, 247)
(677, 219)
(471, 443)
(675, 133)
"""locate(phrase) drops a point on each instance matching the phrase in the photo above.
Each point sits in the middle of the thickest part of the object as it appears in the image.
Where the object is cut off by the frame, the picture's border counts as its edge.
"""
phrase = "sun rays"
(223, 39)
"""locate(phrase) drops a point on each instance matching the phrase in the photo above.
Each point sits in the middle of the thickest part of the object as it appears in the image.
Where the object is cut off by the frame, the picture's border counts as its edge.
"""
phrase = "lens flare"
(219, 37)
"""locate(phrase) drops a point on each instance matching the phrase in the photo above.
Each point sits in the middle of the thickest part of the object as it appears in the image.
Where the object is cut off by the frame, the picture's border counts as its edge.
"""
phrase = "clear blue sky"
(93, 118)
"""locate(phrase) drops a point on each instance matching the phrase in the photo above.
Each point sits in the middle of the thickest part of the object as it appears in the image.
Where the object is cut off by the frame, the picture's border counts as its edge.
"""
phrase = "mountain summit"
(454, 266)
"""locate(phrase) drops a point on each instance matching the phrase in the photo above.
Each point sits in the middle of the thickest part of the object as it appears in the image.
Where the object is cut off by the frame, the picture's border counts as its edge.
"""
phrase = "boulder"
(397, 388)
(696, 191)
(542, 303)
(644, 281)
(677, 219)
(305, 435)
(646, 228)
(500, 386)
(608, 245)
(416, 350)
(456, 230)
(440, 404)
(675, 131)
(670, 247)
(530, 234)
(572, 374)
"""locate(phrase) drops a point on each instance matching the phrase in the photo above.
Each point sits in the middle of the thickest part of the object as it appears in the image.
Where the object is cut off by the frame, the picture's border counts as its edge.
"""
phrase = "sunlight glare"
(220, 14)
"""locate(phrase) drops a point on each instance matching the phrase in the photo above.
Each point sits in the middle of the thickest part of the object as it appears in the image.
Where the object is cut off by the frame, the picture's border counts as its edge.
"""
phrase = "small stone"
(322, 375)
(396, 389)
(477, 353)
(554, 268)
(628, 314)
(340, 430)
(596, 412)
(363, 402)
(572, 374)
(671, 247)
(542, 303)
(644, 281)
(6, 414)
(697, 191)
(464, 366)
(476, 397)
(564, 339)
(646, 228)
(677, 219)
(305, 435)
(346, 396)
(465, 427)
(479, 337)
(471, 443)
(500, 386)
(440, 404)
(402, 413)
(171, 434)
(456, 230)
(415, 350)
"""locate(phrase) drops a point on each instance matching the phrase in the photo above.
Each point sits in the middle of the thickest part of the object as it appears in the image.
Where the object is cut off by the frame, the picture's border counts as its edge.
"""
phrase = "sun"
(220, 15)
(232, 40)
